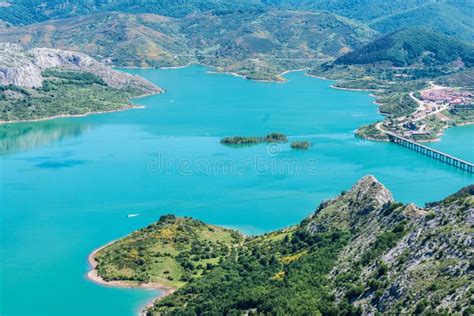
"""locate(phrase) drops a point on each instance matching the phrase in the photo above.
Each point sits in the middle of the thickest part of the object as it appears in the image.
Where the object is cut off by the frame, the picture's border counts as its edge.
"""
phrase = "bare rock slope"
(23, 68)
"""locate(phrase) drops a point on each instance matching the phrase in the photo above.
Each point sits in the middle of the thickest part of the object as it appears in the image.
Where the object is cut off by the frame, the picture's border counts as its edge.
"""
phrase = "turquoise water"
(67, 185)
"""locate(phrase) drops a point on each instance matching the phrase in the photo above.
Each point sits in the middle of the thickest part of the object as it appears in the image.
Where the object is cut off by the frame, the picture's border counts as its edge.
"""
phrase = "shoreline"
(177, 67)
(318, 77)
(93, 276)
(353, 89)
(130, 107)
(372, 92)
(379, 104)
(219, 70)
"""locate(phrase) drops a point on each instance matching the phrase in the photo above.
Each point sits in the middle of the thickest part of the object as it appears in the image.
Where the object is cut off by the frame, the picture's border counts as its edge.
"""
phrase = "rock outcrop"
(402, 258)
(366, 197)
(23, 68)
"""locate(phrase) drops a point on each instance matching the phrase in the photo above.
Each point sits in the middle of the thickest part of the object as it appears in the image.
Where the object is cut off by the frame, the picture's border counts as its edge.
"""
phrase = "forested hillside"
(21, 12)
(412, 46)
(42, 83)
(453, 17)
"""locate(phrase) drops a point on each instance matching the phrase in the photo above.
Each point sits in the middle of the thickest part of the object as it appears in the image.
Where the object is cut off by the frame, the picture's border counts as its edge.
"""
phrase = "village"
(431, 102)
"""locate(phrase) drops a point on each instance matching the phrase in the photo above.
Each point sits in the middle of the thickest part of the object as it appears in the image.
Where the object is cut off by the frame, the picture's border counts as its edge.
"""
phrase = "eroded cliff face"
(23, 68)
(401, 258)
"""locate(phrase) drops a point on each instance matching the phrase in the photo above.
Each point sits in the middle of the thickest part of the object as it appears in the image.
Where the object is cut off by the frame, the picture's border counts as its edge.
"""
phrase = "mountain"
(258, 45)
(22, 12)
(24, 68)
(453, 19)
(452, 16)
(412, 46)
(123, 39)
(43, 82)
(363, 10)
(359, 253)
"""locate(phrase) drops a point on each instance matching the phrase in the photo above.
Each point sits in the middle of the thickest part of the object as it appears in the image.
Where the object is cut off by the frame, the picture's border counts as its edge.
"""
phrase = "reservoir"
(71, 185)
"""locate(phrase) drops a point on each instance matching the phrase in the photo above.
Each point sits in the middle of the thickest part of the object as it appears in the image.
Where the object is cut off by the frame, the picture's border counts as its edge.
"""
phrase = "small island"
(301, 144)
(252, 140)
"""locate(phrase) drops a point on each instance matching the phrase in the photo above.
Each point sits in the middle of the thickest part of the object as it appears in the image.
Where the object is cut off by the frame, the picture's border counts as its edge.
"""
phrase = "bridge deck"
(469, 166)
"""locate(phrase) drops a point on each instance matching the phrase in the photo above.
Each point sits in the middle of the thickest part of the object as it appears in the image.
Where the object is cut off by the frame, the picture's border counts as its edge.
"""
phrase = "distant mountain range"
(452, 17)
(258, 45)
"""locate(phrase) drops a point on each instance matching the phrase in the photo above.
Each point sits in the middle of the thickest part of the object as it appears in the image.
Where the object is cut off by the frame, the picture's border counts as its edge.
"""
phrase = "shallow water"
(67, 185)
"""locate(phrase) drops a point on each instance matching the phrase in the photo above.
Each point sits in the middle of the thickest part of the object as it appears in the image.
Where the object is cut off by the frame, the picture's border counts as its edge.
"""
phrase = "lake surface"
(67, 185)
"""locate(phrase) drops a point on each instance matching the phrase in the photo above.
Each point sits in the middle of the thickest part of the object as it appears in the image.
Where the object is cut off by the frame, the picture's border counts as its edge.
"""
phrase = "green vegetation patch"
(280, 273)
(252, 140)
(409, 46)
(171, 252)
(62, 93)
(301, 144)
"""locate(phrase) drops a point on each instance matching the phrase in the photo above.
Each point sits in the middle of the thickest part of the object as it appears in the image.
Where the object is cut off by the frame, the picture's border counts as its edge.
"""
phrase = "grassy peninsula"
(359, 253)
(170, 252)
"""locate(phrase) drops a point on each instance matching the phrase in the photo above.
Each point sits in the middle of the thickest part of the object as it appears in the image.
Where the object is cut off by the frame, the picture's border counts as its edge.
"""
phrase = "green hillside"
(363, 10)
(450, 20)
(126, 40)
(43, 83)
(452, 16)
(22, 12)
(62, 93)
(412, 46)
(172, 251)
(257, 45)
(359, 253)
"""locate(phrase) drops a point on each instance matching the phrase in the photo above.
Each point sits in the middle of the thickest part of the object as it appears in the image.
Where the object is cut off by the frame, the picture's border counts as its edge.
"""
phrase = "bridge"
(430, 152)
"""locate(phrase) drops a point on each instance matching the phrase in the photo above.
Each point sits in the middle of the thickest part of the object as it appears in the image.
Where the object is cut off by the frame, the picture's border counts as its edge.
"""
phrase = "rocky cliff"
(24, 68)
(402, 259)
(43, 83)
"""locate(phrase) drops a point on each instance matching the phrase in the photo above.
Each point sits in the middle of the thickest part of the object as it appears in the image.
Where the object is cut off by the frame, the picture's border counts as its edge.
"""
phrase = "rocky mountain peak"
(351, 208)
(369, 188)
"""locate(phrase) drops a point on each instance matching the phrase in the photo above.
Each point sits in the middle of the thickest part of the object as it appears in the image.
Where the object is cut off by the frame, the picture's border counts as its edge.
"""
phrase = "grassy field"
(171, 252)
